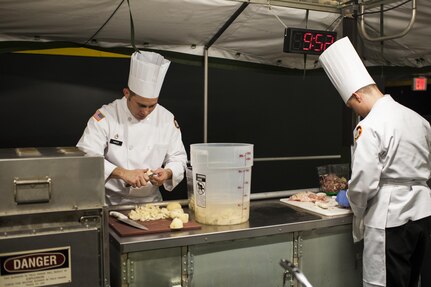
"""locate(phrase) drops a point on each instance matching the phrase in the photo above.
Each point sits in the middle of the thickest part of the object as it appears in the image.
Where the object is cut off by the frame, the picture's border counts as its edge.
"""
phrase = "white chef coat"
(129, 143)
(390, 166)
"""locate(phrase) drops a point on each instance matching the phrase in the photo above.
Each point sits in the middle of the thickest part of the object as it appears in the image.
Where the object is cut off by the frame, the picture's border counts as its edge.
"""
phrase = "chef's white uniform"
(129, 143)
(390, 166)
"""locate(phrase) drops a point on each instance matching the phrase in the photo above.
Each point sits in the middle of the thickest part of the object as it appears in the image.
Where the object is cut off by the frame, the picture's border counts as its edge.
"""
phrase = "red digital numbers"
(330, 39)
(317, 42)
(307, 41)
(319, 45)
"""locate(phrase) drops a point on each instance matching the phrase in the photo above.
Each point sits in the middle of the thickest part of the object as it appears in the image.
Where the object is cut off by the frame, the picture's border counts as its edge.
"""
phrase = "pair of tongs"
(290, 268)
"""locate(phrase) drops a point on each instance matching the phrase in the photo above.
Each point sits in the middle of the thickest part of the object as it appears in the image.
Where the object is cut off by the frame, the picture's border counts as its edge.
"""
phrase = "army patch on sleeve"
(98, 116)
(176, 124)
(358, 132)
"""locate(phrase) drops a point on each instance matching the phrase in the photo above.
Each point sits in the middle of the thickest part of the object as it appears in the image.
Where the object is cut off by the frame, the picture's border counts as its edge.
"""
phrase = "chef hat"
(344, 68)
(147, 72)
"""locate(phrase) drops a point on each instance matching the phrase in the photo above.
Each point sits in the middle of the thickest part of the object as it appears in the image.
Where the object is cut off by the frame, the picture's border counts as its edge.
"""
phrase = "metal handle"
(32, 190)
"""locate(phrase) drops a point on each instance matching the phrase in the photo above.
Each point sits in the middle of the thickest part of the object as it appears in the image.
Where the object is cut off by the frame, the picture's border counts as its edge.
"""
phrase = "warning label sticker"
(200, 188)
(43, 267)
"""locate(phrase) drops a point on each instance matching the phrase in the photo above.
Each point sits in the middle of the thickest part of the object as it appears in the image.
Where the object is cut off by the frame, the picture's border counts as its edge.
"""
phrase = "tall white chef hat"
(147, 72)
(344, 68)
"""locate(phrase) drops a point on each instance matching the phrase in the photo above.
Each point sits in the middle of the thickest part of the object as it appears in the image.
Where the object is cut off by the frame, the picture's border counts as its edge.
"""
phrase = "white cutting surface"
(309, 206)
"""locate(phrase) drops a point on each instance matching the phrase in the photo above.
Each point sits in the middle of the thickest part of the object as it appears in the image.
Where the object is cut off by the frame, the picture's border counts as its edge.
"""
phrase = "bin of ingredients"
(333, 177)
(221, 182)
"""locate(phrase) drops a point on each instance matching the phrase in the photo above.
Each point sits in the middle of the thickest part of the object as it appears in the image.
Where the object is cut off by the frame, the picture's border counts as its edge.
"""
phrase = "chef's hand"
(160, 175)
(134, 177)
(342, 199)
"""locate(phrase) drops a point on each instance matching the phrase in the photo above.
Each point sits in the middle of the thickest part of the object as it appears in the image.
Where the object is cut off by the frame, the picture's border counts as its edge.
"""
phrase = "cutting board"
(154, 226)
(309, 206)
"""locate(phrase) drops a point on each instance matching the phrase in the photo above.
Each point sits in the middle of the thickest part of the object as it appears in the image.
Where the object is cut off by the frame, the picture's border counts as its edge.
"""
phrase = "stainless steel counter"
(267, 217)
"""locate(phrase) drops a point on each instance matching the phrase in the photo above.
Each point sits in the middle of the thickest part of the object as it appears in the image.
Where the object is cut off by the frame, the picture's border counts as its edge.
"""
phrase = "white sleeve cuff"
(109, 168)
(177, 175)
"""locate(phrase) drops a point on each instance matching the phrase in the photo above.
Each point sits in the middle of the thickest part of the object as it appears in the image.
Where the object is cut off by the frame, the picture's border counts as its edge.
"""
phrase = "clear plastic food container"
(333, 177)
(221, 177)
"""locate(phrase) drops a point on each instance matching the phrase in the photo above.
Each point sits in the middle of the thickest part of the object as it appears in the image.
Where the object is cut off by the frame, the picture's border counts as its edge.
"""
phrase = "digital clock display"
(307, 41)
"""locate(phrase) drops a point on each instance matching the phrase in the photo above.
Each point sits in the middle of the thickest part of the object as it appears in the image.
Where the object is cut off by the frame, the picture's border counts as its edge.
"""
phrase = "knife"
(123, 218)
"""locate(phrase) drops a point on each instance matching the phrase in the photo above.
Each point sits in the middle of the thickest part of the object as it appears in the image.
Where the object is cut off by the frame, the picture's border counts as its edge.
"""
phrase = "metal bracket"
(187, 263)
(287, 279)
(297, 252)
(127, 270)
(297, 248)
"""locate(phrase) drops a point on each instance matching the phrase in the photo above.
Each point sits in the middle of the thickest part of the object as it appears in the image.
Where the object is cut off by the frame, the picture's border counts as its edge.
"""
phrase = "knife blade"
(123, 218)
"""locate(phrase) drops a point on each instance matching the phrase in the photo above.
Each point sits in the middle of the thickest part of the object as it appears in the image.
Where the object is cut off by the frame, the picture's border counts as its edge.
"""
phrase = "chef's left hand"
(160, 176)
(342, 199)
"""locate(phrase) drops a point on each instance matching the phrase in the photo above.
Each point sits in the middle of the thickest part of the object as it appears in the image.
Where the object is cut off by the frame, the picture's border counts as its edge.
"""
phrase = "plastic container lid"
(222, 155)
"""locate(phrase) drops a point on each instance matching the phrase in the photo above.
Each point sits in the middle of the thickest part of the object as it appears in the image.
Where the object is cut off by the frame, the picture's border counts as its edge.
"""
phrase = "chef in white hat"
(139, 139)
(391, 163)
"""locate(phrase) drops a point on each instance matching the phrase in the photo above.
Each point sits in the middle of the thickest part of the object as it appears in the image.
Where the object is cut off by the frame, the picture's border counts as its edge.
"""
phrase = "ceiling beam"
(226, 25)
(331, 8)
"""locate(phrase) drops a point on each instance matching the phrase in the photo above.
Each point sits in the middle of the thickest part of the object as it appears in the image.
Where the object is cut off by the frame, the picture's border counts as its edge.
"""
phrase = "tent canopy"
(188, 26)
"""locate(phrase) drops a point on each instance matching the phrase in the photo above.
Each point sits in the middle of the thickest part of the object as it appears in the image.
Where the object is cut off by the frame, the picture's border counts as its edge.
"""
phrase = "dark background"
(46, 101)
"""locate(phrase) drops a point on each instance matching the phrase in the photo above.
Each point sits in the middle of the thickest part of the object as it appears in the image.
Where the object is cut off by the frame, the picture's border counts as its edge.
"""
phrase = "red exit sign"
(420, 84)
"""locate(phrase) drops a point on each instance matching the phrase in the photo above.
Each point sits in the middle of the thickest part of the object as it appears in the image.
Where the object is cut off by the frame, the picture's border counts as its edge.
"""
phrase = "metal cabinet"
(241, 255)
(53, 227)
(67, 254)
(245, 262)
(328, 257)
(160, 267)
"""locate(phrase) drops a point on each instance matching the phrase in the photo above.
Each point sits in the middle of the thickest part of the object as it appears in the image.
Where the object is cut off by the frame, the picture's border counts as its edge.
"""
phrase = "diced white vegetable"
(184, 217)
(176, 224)
(173, 206)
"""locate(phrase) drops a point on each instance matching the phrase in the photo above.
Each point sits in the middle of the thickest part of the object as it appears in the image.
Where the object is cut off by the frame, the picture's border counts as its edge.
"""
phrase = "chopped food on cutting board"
(319, 203)
(320, 199)
(150, 211)
(173, 205)
(176, 224)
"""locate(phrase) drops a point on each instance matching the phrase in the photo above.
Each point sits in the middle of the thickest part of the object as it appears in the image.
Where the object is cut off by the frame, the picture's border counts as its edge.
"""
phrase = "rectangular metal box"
(53, 218)
(35, 180)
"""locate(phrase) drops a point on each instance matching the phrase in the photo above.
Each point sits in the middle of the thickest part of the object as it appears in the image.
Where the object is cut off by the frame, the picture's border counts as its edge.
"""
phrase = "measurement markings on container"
(33, 268)
(200, 188)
